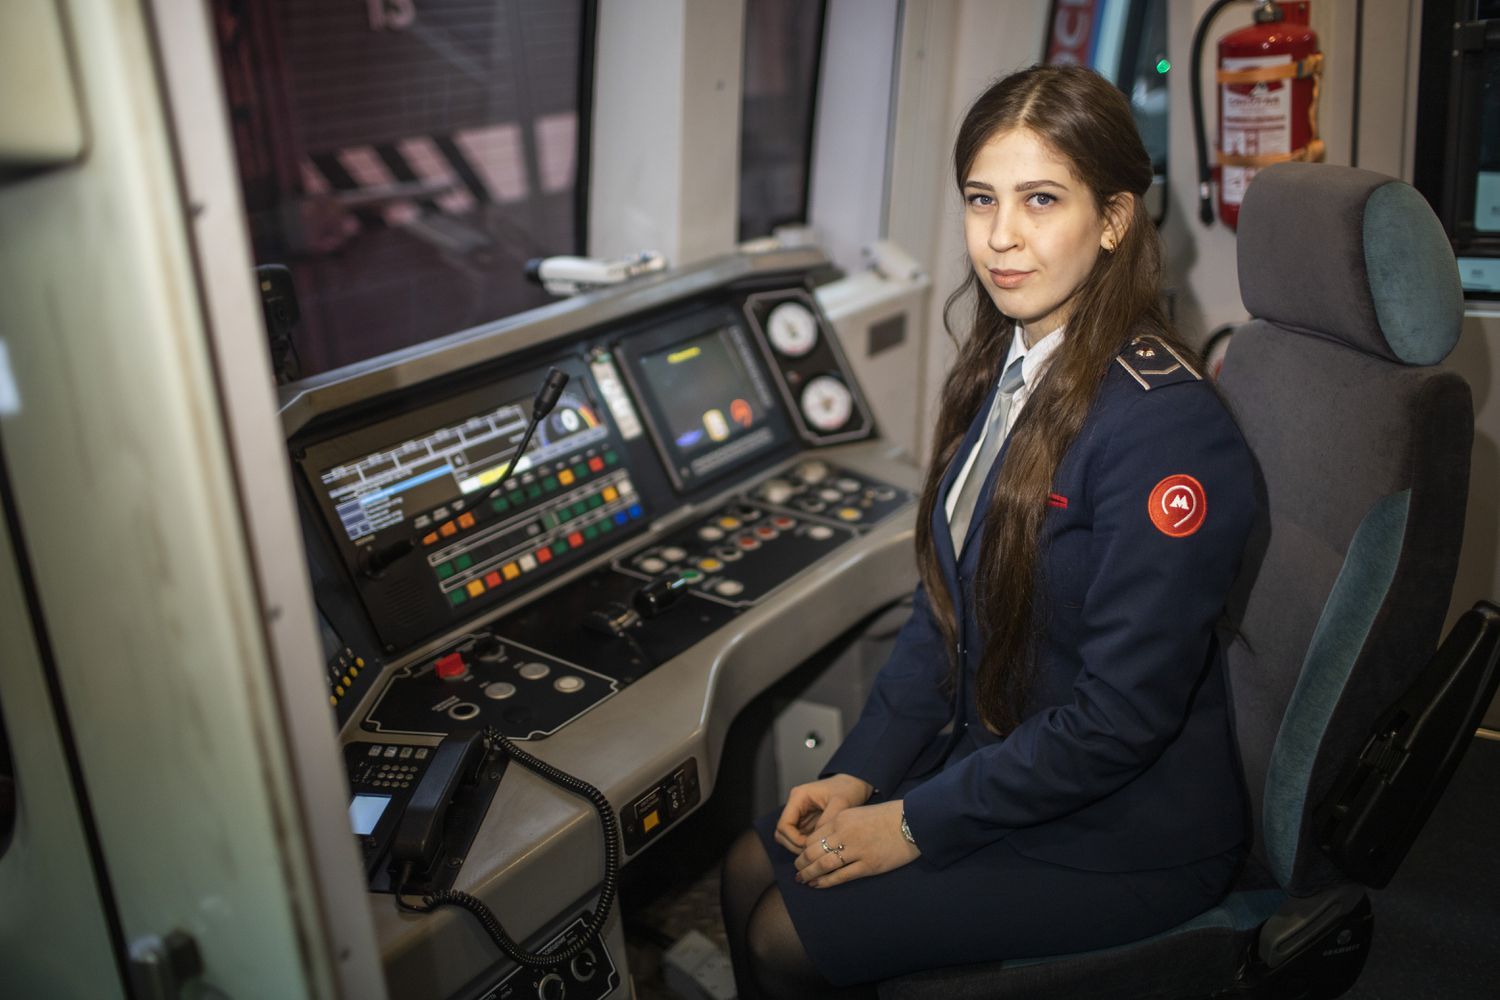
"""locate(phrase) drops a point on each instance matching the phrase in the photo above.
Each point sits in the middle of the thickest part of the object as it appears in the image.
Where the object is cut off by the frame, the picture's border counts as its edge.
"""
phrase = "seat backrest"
(1363, 453)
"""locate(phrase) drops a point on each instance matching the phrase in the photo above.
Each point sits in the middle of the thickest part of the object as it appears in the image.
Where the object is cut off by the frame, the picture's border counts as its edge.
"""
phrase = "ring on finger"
(827, 849)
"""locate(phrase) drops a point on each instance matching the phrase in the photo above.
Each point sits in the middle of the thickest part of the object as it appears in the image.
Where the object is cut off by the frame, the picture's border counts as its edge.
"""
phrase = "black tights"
(769, 960)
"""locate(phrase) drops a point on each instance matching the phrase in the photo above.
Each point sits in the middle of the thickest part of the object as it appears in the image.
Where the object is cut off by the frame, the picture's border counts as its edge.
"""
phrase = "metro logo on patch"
(1177, 506)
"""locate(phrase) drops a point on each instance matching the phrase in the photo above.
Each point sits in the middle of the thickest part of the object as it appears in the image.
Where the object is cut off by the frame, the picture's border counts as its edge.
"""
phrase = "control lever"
(652, 600)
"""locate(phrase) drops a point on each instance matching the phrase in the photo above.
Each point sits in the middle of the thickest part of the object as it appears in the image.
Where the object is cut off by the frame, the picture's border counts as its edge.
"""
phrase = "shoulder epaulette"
(1154, 363)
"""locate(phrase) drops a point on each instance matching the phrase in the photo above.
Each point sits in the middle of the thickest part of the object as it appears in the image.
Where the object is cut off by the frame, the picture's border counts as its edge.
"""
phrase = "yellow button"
(729, 523)
(651, 822)
(475, 588)
(359, 661)
(565, 477)
(511, 571)
(611, 494)
(332, 700)
(710, 565)
(339, 690)
(353, 671)
(850, 513)
(347, 681)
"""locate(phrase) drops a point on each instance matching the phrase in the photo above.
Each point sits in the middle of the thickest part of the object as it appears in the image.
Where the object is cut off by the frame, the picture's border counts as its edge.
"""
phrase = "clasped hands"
(836, 837)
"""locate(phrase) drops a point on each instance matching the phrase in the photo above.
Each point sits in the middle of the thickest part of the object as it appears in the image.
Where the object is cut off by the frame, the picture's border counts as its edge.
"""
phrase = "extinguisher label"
(1255, 118)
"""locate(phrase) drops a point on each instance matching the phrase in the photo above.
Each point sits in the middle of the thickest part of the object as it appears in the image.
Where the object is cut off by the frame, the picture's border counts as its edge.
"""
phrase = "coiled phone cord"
(494, 739)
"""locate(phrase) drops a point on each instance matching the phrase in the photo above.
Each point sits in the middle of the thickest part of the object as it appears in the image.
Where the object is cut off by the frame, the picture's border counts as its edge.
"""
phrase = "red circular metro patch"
(1177, 506)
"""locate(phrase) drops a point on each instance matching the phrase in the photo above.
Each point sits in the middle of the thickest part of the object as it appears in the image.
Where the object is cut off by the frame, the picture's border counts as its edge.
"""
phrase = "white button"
(812, 471)
(500, 690)
(463, 711)
(568, 683)
(848, 485)
(729, 588)
(534, 671)
(820, 532)
(832, 496)
(777, 490)
(528, 563)
(651, 564)
(709, 533)
(673, 554)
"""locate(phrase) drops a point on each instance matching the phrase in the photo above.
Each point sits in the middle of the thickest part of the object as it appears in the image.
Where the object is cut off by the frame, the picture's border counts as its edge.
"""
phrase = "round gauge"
(793, 329)
(827, 403)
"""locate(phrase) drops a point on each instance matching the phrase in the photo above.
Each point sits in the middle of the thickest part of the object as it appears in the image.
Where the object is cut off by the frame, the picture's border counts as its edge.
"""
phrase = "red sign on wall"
(1070, 31)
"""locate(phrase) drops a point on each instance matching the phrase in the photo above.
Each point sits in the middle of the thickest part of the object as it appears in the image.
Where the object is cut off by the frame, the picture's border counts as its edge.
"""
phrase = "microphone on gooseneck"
(546, 398)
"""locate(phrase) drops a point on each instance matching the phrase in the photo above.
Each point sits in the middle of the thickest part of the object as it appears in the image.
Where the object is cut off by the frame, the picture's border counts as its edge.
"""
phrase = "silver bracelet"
(906, 831)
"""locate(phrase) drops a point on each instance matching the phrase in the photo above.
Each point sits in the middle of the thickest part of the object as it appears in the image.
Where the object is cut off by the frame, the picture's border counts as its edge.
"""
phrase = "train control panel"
(707, 503)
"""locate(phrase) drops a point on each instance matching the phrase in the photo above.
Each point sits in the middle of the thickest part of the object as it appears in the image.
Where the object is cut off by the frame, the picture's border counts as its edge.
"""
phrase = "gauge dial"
(793, 329)
(827, 403)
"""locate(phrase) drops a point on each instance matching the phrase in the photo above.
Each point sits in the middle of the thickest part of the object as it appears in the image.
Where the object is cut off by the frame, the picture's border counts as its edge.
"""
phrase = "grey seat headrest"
(1352, 255)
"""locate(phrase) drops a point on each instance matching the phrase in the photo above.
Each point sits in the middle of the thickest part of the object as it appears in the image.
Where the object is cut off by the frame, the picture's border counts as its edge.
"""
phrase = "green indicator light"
(463, 562)
(606, 526)
(550, 483)
(1162, 65)
(515, 497)
(579, 508)
(533, 491)
(596, 501)
(500, 505)
(691, 575)
(559, 548)
(444, 570)
(458, 597)
(611, 457)
(580, 471)
(591, 532)
(563, 514)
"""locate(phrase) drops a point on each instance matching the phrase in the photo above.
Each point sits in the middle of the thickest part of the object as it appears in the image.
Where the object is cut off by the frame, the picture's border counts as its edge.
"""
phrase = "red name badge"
(1177, 506)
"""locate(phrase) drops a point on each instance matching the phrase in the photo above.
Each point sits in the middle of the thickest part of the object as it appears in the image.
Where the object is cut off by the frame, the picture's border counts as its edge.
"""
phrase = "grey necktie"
(994, 437)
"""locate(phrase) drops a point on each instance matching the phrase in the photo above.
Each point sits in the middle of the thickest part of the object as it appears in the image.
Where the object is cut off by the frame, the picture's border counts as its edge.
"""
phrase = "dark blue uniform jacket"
(1125, 760)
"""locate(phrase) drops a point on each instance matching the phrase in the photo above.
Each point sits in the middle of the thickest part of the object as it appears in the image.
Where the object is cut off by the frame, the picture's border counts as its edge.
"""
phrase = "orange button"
(596, 464)
(475, 588)
(575, 539)
(493, 579)
(611, 494)
(511, 571)
(565, 477)
(430, 538)
(466, 520)
(448, 530)
(543, 555)
(651, 822)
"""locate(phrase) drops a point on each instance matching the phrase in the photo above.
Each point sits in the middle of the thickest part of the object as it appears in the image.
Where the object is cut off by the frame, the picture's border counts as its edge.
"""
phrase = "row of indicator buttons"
(563, 477)
(392, 752)
(529, 561)
(550, 520)
(344, 684)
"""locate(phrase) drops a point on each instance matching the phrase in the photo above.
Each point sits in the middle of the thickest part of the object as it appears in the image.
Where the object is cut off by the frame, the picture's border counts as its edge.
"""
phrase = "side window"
(405, 158)
(783, 45)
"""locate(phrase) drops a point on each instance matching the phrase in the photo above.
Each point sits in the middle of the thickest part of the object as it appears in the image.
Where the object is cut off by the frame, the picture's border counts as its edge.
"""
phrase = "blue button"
(620, 518)
(635, 510)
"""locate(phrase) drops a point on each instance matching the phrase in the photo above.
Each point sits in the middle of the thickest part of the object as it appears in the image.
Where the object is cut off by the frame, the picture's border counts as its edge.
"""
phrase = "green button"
(580, 508)
(592, 531)
(563, 514)
(458, 597)
(550, 483)
(515, 496)
(596, 501)
(606, 526)
(444, 570)
(691, 575)
(611, 457)
(533, 491)
(499, 505)
(559, 547)
(463, 562)
(550, 520)
(580, 471)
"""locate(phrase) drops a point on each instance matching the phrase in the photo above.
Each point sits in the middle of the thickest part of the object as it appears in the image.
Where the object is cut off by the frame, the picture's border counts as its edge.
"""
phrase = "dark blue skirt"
(993, 905)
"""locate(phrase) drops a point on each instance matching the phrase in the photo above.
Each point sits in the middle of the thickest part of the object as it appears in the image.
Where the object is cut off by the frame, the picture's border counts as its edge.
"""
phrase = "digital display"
(418, 477)
(365, 812)
(710, 407)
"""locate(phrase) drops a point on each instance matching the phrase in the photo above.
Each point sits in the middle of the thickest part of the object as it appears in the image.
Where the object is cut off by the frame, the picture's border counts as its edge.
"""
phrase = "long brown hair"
(1087, 120)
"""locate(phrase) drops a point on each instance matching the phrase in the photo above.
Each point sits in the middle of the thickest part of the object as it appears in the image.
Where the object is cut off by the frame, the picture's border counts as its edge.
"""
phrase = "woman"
(1045, 764)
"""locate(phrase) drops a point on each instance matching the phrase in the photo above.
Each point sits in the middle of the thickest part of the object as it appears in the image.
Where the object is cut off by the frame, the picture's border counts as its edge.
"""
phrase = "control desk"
(712, 435)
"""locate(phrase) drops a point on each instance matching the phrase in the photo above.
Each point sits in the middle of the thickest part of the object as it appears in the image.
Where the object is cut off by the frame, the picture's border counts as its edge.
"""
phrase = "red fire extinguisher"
(1268, 82)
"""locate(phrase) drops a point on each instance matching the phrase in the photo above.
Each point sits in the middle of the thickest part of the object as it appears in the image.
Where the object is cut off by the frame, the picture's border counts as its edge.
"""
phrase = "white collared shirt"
(1035, 360)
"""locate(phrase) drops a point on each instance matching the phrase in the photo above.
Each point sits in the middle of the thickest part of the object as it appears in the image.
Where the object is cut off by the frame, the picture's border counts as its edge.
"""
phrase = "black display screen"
(710, 405)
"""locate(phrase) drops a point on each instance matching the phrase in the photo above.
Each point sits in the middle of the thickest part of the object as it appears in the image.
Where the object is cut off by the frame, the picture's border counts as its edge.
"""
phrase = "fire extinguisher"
(1268, 81)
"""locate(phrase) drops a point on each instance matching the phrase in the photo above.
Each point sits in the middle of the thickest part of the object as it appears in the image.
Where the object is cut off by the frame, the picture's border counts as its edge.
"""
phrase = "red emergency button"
(451, 667)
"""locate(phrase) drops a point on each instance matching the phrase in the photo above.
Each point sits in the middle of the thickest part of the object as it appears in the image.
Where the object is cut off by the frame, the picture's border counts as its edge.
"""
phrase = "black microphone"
(546, 398)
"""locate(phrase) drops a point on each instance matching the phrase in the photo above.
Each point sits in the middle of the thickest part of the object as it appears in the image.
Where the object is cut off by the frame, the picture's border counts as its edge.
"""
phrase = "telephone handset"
(456, 766)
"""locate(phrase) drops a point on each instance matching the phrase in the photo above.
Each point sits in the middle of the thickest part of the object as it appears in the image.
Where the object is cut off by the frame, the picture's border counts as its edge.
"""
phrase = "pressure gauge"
(827, 403)
(793, 329)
